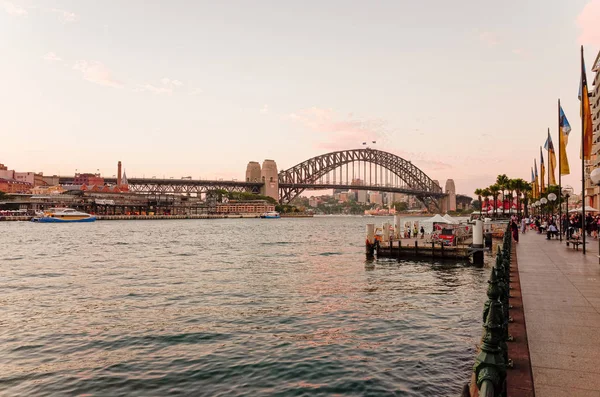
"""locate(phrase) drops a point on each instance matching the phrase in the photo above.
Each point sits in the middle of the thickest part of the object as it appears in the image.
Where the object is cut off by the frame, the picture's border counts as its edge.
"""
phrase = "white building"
(376, 198)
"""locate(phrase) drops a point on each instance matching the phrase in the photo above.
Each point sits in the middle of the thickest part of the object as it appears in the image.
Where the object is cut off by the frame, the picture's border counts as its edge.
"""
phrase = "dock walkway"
(561, 299)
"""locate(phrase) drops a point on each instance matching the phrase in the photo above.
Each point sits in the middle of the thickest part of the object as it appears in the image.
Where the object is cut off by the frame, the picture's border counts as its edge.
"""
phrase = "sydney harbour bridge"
(354, 169)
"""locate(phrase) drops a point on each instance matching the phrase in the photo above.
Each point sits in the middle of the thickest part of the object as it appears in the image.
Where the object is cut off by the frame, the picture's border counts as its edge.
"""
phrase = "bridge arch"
(300, 177)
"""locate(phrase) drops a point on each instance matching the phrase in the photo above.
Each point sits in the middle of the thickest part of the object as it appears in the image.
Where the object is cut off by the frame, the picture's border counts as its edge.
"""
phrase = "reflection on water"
(228, 307)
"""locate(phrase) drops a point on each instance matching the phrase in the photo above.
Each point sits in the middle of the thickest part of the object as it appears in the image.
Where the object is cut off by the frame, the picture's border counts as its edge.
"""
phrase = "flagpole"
(548, 158)
(583, 225)
(561, 224)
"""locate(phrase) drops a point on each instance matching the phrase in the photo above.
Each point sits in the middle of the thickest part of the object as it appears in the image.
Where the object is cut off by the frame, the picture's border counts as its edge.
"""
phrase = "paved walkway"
(561, 300)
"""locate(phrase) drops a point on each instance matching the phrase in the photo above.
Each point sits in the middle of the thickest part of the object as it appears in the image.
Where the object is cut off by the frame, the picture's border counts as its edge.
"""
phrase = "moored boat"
(270, 215)
(64, 215)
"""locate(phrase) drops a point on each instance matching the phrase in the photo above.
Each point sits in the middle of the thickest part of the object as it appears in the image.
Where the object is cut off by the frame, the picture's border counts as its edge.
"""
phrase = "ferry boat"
(63, 215)
(270, 215)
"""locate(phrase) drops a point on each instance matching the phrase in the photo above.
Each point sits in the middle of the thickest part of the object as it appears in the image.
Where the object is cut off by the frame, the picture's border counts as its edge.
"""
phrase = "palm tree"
(478, 192)
(527, 190)
(510, 187)
(519, 185)
(494, 190)
(502, 182)
(486, 194)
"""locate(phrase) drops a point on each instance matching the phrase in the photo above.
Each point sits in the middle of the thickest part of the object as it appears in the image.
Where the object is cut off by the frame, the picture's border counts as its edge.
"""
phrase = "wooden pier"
(409, 248)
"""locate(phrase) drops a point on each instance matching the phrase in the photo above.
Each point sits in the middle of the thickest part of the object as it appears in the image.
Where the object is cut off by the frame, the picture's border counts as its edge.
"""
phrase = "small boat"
(63, 215)
(270, 215)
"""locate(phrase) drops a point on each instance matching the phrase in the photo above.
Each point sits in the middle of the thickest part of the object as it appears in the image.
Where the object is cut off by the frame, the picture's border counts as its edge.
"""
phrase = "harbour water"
(228, 307)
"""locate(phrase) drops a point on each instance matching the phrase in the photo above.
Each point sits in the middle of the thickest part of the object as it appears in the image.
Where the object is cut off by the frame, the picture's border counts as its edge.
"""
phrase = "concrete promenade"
(561, 300)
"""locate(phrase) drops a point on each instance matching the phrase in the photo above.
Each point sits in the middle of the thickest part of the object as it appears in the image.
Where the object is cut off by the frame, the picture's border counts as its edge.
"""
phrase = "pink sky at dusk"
(465, 90)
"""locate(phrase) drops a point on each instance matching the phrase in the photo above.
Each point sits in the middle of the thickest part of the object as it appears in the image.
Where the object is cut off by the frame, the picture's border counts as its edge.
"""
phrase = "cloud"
(166, 86)
(335, 132)
(265, 109)
(154, 89)
(589, 23)
(52, 57)
(490, 39)
(12, 9)
(67, 16)
(169, 82)
(96, 72)
(519, 51)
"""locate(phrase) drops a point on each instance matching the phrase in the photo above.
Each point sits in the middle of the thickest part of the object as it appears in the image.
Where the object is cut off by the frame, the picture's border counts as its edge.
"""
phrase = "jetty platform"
(560, 289)
(417, 247)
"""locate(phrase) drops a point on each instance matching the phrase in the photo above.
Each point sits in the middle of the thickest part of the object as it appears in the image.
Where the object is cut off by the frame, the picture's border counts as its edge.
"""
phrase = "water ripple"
(230, 307)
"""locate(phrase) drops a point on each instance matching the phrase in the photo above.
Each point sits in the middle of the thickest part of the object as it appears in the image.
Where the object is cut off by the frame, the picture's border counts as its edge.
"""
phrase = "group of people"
(414, 231)
(571, 226)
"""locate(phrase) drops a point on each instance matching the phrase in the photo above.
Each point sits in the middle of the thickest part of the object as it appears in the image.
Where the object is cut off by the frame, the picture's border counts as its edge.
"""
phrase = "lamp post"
(552, 198)
(543, 200)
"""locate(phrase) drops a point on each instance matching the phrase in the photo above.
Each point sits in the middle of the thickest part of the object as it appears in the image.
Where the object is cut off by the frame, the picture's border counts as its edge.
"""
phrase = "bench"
(576, 243)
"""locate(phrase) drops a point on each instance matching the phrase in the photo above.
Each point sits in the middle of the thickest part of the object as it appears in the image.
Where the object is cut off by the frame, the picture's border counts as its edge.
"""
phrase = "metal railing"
(492, 360)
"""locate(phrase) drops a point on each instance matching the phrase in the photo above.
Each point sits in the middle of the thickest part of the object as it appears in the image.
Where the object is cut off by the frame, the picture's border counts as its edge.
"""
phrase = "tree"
(494, 191)
(476, 204)
(478, 192)
(486, 193)
(502, 182)
(527, 192)
(3, 196)
(400, 206)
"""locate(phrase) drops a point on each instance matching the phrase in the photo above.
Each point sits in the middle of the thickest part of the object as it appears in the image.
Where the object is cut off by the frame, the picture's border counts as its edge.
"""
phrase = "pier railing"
(492, 360)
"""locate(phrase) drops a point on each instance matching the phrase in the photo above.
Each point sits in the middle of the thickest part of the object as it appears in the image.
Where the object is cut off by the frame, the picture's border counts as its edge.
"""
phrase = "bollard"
(370, 233)
(397, 227)
(478, 243)
(386, 232)
(399, 248)
(370, 242)
(490, 366)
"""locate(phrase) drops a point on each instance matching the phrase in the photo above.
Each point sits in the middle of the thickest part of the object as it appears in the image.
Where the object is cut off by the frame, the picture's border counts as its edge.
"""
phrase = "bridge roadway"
(163, 186)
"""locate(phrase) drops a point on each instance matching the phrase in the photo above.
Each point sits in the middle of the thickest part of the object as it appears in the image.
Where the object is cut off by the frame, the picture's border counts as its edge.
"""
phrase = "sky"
(464, 89)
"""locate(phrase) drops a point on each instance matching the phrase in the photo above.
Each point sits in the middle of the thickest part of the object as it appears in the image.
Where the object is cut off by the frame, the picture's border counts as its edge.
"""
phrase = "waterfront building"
(51, 180)
(594, 191)
(34, 179)
(343, 197)
(313, 202)
(245, 207)
(47, 190)
(88, 179)
(14, 186)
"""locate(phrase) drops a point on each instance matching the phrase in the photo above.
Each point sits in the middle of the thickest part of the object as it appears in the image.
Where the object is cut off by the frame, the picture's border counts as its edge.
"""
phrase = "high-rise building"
(375, 198)
(361, 196)
(451, 192)
(594, 191)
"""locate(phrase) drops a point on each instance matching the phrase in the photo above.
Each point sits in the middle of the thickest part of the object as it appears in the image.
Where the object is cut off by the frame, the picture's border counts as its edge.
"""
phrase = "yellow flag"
(563, 139)
(586, 114)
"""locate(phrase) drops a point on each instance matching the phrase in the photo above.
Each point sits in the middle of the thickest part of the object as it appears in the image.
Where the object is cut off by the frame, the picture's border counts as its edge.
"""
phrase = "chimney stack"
(119, 174)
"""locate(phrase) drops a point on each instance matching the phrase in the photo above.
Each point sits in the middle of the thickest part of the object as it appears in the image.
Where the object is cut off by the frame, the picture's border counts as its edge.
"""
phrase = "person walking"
(514, 228)
(422, 232)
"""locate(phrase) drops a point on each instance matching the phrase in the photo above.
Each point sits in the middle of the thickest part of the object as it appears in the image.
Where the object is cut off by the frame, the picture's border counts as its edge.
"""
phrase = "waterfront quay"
(561, 299)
